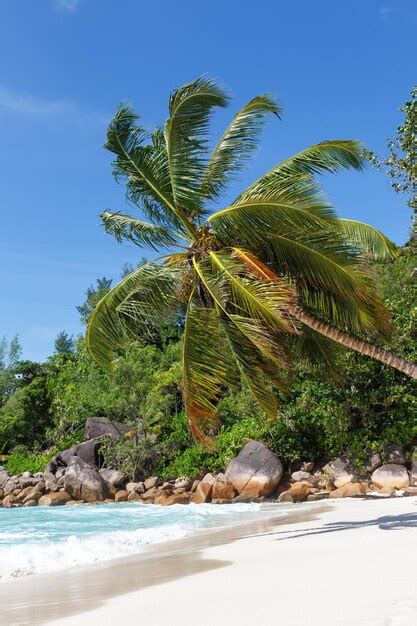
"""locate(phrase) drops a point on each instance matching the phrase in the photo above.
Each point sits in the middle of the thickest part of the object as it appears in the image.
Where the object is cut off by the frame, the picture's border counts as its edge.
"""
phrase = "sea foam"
(44, 539)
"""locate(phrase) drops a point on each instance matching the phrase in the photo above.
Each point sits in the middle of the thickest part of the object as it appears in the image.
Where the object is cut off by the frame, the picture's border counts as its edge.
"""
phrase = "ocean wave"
(45, 539)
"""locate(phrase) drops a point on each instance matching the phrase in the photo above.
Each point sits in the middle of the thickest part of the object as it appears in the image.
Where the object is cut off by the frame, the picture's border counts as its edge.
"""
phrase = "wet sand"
(335, 564)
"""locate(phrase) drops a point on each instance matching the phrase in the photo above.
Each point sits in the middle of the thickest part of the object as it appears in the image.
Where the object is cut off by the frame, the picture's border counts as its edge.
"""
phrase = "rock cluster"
(255, 474)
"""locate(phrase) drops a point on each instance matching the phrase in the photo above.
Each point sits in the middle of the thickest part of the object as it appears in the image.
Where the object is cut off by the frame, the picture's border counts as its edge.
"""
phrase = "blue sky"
(340, 70)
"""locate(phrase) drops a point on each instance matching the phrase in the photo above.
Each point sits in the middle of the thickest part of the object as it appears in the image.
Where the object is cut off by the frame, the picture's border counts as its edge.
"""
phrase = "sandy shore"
(347, 562)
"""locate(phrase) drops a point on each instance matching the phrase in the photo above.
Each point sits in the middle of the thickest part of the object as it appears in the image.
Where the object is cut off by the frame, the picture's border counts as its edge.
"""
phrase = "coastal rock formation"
(98, 426)
(223, 489)
(204, 490)
(88, 452)
(391, 476)
(372, 463)
(54, 499)
(137, 487)
(395, 454)
(256, 471)
(113, 477)
(298, 492)
(339, 472)
(82, 481)
(4, 476)
(153, 481)
(302, 476)
(350, 490)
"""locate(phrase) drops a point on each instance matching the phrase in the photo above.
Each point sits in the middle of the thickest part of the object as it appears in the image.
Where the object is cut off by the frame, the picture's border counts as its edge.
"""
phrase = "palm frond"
(145, 168)
(255, 346)
(264, 300)
(186, 139)
(126, 227)
(319, 351)
(321, 266)
(294, 175)
(254, 369)
(147, 292)
(237, 143)
(367, 238)
(329, 278)
(254, 220)
(207, 369)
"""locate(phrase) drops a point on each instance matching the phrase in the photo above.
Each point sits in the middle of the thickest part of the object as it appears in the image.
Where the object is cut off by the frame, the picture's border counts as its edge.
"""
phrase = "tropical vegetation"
(329, 401)
(273, 278)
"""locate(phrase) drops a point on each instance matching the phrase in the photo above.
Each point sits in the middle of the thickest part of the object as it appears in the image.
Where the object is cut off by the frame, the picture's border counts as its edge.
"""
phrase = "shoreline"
(324, 564)
(79, 588)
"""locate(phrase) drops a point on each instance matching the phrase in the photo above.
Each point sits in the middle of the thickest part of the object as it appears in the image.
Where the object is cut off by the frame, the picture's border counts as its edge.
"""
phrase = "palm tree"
(273, 275)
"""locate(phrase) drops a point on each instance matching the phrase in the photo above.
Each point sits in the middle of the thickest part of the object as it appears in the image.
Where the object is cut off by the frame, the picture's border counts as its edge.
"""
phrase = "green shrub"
(25, 416)
(19, 462)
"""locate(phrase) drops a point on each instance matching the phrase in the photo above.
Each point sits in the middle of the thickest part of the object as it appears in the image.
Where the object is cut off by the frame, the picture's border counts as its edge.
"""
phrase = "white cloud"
(66, 6)
(26, 104)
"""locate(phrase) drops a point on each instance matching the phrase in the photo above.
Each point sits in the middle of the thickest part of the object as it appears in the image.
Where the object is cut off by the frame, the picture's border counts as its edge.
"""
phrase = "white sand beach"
(347, 562)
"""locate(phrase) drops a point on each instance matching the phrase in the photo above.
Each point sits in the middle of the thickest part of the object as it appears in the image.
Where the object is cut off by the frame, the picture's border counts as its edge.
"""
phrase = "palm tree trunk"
(407, 367)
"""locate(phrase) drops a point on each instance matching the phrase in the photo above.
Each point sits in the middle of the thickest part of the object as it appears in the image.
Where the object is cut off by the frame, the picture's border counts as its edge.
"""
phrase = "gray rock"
(307, 466)
(373, 462)
(185, 482)
(114, 477)
(28, 481)
(391, 476)
(256, 471)
(153, 481)
(51, 486)
(60, 472)
(84, 482)
(340, 472)
(11, 485)
(99, 426)
(394, 454)
(137, 487)
(4, 477)
(300, 476)
(87, 451)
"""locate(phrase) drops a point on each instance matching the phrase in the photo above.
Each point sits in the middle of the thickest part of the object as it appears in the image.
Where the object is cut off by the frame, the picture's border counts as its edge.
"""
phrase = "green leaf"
(253, 368)
(237, 143)
(138, 232)
(145, 168)
(263, 300)
(252, 221)
(207, 369)
(186, 130)
(298, 170)
(367, 238)
(147, 292)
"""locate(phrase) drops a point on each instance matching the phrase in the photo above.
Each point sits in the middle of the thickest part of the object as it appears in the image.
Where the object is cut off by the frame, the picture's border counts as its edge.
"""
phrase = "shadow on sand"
(386, 522)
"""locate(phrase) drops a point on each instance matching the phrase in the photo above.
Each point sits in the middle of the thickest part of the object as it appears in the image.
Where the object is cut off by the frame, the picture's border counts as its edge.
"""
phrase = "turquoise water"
(42, 539)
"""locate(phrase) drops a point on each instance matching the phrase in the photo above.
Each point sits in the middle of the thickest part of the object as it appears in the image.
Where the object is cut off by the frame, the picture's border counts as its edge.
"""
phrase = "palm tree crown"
(274, 274)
